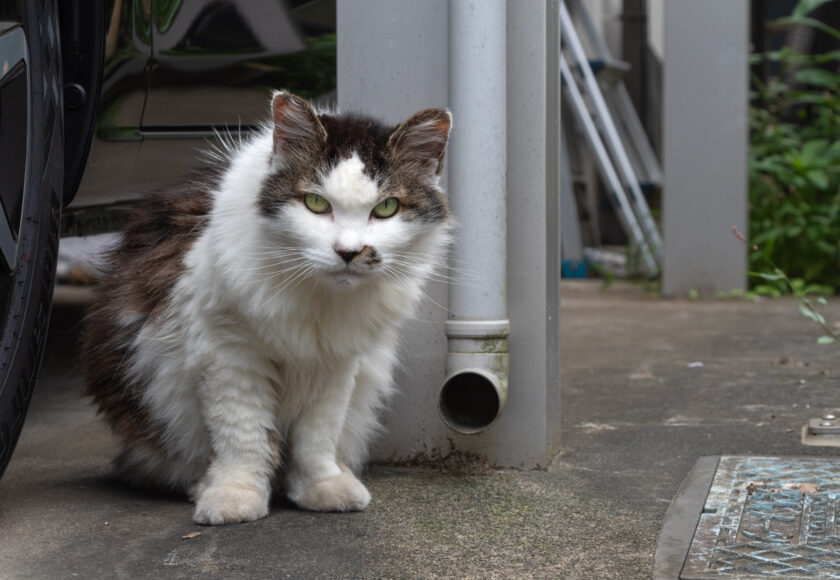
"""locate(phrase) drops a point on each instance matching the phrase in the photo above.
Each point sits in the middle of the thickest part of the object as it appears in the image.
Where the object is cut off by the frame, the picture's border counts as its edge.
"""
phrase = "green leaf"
(765, 276)
(810, 99)
(834, 150)
(819, 178)
(813, 150)
(827, 56)
(805, 7)
(818, 77)
(826, 339)
(765, 290)
(821, 289)
(806, 21)
(808, 313)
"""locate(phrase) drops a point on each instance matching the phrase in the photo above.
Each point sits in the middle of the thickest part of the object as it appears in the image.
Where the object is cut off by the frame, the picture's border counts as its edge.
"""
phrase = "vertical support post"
(393, 59)
(705, 144)
(528, 433)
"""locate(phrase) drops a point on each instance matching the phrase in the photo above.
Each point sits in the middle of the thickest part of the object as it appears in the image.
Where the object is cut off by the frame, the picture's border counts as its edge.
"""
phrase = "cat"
(245, 330)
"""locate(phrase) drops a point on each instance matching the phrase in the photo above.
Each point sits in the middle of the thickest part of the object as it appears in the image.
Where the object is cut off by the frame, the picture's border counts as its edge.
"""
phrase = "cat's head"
(353, 200)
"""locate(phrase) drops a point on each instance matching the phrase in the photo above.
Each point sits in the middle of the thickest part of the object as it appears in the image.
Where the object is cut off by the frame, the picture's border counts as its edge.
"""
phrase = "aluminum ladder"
(595, 120)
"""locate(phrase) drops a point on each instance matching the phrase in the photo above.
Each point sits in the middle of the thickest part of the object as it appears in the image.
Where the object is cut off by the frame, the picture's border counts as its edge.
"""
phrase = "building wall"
(392, 61)
(706, 86)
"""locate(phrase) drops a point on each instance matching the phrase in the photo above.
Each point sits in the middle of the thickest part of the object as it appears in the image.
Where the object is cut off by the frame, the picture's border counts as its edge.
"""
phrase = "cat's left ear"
(421, 140)
(297, 131)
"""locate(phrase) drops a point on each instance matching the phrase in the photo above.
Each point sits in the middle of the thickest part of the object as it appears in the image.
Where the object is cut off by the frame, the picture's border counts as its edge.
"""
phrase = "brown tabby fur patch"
(161, 230)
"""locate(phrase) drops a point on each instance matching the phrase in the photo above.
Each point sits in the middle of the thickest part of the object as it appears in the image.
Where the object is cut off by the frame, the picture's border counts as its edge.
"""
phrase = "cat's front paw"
(230, 504)
(339, 493)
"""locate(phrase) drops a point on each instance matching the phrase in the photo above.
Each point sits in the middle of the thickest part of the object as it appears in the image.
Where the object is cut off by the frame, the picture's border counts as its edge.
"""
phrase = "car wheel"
(31, 181)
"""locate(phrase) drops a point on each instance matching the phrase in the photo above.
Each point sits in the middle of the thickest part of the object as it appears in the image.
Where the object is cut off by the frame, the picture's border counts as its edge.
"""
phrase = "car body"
(178, 73)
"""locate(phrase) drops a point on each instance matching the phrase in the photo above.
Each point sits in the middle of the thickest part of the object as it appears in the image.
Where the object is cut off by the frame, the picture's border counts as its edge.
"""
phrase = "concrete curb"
(682, 518)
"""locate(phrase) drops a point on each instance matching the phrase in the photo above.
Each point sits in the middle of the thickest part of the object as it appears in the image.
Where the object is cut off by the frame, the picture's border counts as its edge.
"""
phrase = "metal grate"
(768, 517)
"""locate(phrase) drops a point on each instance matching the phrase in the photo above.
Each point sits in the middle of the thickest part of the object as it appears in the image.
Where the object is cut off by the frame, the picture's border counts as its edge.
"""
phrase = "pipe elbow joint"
(475, 391)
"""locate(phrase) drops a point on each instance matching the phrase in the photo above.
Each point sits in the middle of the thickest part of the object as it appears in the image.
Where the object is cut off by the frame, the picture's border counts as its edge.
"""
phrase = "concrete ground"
(638, 412)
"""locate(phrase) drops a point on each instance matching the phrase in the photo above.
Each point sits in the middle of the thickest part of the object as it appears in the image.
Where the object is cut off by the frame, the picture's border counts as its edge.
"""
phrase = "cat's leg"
(315, 481)
(373, 386)
(239, 410)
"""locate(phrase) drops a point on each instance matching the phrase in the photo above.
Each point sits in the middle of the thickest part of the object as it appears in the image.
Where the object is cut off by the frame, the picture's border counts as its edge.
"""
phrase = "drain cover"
(768, 517)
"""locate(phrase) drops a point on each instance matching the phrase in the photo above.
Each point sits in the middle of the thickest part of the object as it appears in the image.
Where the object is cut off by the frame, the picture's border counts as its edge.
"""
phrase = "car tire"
(26, 288)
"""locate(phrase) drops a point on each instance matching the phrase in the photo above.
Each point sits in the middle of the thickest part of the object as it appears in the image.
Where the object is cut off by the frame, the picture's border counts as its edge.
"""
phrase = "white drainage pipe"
(475, 391)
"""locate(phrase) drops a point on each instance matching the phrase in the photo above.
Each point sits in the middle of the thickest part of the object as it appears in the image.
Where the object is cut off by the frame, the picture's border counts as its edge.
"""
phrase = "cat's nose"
(347, 255)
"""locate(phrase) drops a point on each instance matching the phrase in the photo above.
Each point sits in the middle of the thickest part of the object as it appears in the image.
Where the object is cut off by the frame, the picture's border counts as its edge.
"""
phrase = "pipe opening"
(469, 402)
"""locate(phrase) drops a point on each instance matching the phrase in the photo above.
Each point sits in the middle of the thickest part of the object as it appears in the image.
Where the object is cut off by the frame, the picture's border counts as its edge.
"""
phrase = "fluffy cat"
(247, 326)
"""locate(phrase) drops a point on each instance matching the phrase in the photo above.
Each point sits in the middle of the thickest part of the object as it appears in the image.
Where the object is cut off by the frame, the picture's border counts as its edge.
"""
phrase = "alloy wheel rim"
(15, 129)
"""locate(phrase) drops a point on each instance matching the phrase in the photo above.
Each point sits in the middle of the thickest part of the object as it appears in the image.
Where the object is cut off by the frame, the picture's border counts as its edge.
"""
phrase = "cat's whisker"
(303, 276)
(439, 268)
(432, 273)
(275, 266)
(291, 283)
(269, 256)
(436, 303)
(434, 258)
(269, 260)
(297, 273)
(452, 280)
(287, 276)
(274, 247)
(272, 254)
(402, 276)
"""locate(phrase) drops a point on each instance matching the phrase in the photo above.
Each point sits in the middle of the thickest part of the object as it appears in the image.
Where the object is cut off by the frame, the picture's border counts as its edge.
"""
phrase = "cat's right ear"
(298, 134)
(421, 141)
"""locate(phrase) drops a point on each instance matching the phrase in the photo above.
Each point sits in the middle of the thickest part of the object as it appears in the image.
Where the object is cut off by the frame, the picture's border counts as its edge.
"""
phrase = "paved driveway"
(637, 414)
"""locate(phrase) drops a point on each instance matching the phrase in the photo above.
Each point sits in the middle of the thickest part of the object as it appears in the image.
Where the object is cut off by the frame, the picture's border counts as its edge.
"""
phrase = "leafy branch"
(794, 165)
(800, 291)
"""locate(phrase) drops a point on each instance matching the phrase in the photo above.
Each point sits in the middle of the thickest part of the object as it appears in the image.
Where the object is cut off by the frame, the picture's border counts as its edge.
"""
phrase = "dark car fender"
(82, 25)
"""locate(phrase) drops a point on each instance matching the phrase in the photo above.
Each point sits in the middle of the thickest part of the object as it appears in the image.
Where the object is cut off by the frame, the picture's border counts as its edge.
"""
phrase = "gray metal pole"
(478, 155)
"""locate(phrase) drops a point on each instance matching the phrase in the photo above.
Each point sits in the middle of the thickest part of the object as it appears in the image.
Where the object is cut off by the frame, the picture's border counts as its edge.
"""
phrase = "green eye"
(386, 208)
(315, 203)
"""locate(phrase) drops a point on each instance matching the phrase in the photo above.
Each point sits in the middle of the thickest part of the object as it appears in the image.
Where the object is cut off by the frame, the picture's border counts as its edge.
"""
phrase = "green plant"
(794, 166)
(808, 295)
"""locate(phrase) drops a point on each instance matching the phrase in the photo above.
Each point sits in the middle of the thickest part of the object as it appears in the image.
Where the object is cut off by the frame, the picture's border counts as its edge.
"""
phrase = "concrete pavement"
(637, 414)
